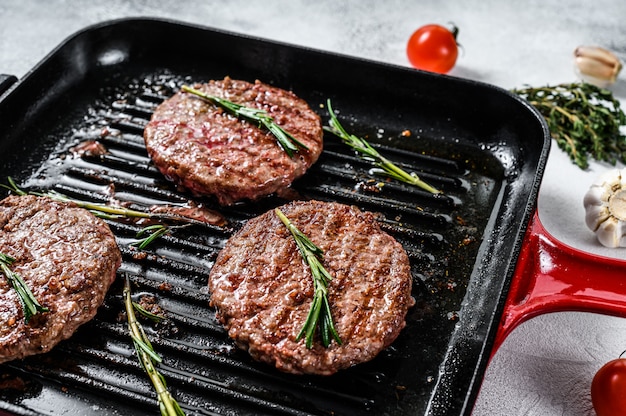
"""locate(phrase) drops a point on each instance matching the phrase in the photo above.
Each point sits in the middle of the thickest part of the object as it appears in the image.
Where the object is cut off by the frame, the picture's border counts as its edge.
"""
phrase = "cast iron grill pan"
(462, 245)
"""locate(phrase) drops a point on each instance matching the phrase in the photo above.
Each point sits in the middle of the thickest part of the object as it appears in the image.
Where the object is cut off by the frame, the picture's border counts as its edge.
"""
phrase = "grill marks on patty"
(262, 289)
(209, 151)
(66, 256)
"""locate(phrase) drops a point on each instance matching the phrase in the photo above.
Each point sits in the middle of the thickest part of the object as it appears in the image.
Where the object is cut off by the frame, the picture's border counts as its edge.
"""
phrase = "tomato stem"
(455, 31)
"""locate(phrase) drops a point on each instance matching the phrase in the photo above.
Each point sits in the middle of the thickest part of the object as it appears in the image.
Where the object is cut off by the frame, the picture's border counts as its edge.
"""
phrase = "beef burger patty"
(262, 289)
(67, 257)
(209, 151)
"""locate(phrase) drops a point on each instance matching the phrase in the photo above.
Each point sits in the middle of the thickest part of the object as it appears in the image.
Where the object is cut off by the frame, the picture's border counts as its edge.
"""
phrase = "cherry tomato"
(608, 389)
(433, 48)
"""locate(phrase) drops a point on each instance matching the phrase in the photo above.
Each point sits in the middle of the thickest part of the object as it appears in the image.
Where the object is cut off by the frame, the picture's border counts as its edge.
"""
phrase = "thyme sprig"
(383, 165)
(30, 305)
(148, 357)
(256, 115)
(584, 120)
(319, 314)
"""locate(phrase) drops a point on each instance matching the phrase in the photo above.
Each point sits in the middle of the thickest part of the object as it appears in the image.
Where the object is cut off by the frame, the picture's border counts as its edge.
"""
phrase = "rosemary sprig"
(285, 139)
(319, 313)
(383, 165)
(148, 358)
(30, 305)
(154, 231)
(100, 210)
(583, 119)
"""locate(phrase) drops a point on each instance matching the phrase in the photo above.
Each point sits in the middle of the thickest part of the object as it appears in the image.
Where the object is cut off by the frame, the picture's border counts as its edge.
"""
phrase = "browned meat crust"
(67, 257)
(208, 151)
(262, 289)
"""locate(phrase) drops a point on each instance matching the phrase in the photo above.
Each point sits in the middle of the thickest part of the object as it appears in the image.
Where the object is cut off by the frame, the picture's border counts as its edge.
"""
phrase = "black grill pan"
(485, 148)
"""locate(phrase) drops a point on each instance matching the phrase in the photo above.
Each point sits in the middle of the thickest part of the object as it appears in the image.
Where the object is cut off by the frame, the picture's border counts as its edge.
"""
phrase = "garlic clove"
(611, 233)
(596, 215)
(615, 178)
(605, 208)
(596, 65)
(597, 194)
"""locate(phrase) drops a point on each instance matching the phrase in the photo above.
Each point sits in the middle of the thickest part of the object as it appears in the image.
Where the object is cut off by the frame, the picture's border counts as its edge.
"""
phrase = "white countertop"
(546, 365)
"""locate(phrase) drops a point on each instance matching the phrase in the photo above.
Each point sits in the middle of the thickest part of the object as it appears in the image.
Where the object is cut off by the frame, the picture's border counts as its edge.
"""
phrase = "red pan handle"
(553, 277)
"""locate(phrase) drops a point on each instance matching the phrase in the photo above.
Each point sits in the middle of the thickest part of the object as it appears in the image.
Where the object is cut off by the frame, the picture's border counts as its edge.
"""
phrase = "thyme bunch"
(285, 139)
(148, 357)
(319, 315)
(584, 120)
(30, 305)
(383, 165)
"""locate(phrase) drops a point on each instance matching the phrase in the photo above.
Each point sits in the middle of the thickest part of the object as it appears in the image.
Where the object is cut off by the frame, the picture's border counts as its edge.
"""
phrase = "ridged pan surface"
(483, 147)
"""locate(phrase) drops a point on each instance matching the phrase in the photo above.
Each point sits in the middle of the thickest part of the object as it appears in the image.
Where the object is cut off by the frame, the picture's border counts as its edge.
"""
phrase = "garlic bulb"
(596, 65)
(605, 208)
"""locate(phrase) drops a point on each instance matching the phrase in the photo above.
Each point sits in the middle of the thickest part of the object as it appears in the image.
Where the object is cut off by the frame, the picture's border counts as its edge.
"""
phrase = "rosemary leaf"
(367, 152)
(30, 305)
(155, 231)
(319, 315)
(148, 357)
(285, 139)
(144, 312)
(584, 120)
(146, 348)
